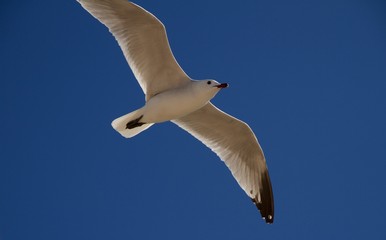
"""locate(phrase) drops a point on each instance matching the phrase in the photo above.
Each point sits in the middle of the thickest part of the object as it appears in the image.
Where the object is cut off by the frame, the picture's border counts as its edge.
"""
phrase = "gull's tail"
(130, 124)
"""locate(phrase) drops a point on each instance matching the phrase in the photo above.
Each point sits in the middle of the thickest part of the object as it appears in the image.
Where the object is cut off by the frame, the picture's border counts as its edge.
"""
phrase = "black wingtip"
(265, 205)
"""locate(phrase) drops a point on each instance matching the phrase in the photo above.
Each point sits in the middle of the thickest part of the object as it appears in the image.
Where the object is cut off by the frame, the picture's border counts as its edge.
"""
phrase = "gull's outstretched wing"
(235, 143)
(142, 38)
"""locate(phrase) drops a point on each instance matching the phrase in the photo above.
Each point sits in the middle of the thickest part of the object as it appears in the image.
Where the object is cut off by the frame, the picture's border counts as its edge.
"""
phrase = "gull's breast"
(172, 104)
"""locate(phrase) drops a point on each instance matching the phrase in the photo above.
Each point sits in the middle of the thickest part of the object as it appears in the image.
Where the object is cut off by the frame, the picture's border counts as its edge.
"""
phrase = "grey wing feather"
(143, 40)
(235, 143)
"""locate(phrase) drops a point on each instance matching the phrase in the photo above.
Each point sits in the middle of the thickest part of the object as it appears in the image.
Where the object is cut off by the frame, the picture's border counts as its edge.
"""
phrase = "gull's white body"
(168, 105)
(184, 100)
(172, 95)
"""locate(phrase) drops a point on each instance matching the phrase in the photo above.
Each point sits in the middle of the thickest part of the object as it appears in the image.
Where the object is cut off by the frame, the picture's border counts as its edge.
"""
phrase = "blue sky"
(308, 76)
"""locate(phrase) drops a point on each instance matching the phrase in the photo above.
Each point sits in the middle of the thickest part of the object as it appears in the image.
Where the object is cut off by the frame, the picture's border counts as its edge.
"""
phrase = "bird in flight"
(171, 95)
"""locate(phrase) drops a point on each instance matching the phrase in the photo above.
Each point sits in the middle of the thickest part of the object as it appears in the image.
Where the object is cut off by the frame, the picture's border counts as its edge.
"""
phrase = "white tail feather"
(119, 124)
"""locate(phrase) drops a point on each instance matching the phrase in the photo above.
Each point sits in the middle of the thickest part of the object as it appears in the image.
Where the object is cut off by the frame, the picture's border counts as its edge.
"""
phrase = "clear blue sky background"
(308, 76)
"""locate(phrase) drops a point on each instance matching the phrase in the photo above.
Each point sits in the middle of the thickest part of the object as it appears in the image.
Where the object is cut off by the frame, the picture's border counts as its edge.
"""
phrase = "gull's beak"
(222, 85)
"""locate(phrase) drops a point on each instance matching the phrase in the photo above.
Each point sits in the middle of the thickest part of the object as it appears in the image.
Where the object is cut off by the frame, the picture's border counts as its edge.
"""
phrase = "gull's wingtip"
(265, 204)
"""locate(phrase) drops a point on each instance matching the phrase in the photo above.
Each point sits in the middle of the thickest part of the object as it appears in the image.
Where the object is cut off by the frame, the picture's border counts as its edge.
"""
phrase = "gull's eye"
(209, 82)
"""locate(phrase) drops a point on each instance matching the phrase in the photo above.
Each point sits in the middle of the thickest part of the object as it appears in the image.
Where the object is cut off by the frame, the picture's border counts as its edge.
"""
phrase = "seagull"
(171, 95)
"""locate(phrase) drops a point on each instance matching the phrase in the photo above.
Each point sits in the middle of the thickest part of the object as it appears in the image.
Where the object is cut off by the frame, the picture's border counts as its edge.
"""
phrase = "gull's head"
(208, 88)
(212, 85)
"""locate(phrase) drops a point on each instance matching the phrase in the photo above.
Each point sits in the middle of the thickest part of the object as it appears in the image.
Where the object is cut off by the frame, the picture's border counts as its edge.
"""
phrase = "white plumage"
(172, 95)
